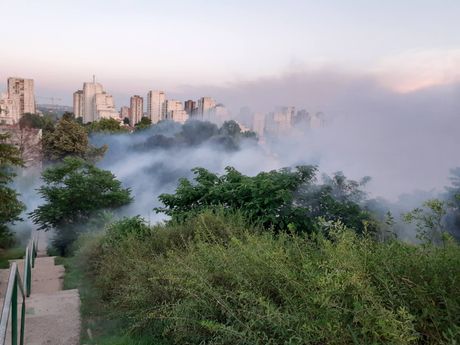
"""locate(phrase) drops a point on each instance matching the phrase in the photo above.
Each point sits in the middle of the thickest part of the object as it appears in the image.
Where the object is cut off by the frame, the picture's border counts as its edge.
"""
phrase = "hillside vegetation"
(218, 280)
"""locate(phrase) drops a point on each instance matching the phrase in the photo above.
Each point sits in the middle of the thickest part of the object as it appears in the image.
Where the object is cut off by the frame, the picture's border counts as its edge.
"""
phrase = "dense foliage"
(69, 138)
(215, 280)
(74, 191)
(277, 199)
(106, 126)
(10, 206)
(29, 120)
(172, 135)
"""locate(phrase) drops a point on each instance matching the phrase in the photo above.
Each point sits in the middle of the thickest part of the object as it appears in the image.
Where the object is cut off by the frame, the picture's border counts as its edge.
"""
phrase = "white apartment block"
(156, 106)
(93, 103)
(174, 110)
(21, 91)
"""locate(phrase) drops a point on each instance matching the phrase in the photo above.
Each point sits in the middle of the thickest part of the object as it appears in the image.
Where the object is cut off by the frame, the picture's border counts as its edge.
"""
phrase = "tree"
(69, 139)
(144, 123)
(265, 198)
(453, 203)
(106, 125)
(283, 199)
(74, 191)
(29, 120)
(428, 220)
(10, 206)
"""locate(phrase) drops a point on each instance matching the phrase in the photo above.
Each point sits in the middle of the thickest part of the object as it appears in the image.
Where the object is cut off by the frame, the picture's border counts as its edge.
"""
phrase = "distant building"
(156, 106)
(189, 106)
(124, 112)
(280, 121)
(9, 112)
(78, 103)
(258, 125)
(205, 105)
(218, 115)
(136, 109)
(21, 91)
(93, 103)
(175, 111)
(317, 121)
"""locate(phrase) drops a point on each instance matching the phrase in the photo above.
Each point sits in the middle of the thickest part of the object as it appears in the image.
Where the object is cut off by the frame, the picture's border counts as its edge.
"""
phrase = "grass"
(10, 254)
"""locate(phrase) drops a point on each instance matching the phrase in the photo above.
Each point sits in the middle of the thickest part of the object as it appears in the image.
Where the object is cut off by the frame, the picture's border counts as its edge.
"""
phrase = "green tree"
(429, 220)
(144, 123)
(74, 192)
(69, 138)
(266, 198)
(29, 120)
(283, 199)
(106, 125)
(10, 206)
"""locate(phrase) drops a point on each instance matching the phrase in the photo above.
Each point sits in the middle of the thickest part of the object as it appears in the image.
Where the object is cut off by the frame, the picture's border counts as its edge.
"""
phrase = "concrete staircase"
(52, 314)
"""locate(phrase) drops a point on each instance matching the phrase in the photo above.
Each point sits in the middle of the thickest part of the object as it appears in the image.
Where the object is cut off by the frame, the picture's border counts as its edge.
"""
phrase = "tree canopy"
(69, 138)
(74, 191)
(287, 198)
(10, 206)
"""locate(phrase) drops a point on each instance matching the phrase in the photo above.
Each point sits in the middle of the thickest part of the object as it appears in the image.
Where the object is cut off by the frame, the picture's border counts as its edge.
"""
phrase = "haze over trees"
(10, 205)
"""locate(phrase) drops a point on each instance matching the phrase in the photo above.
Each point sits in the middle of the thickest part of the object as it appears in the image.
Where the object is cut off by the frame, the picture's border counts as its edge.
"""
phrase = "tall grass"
(218, 281)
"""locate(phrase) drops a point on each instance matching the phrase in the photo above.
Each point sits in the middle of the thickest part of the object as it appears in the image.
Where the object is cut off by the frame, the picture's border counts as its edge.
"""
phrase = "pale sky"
(137, 45)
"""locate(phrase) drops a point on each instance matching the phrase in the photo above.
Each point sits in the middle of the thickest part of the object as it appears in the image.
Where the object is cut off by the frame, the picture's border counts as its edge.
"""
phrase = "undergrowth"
(216, 280)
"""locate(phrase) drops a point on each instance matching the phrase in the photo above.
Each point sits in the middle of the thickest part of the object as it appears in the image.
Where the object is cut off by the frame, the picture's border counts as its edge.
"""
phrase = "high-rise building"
(136, 109)
(93, 103)
(78, 103)
(204, 108)
(156, 106)
(280, 121)
(21, 91)
(124, 112)
(258, 125)
(175, 111)
(189, 106)
(9, 111)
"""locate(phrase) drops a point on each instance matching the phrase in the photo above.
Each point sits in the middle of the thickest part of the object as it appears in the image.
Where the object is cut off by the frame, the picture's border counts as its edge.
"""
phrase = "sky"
(188, 47)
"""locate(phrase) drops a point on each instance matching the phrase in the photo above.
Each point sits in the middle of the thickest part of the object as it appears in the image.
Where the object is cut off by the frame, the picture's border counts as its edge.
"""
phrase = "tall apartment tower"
(189, 106)
(93, 103)
(21, 91)
(205, 106)
(78, 103)
(175, 111)
(136, 109)
(156, 106)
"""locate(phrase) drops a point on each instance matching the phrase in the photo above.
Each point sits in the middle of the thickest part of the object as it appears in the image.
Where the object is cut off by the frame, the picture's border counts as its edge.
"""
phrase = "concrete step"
(53, 319)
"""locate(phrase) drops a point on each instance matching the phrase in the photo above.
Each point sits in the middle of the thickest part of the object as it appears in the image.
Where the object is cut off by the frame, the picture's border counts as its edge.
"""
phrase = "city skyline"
(197, 46)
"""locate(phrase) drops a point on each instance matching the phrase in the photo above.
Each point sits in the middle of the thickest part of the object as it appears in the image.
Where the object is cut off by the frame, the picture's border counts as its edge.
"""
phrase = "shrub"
(215, 280)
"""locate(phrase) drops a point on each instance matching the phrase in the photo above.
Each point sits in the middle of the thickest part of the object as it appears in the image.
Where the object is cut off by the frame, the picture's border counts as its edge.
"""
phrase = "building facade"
(21, 91)
(78, 105)
(93, 103)
(205, 105)
(9, 111)
(156, 106)
(136, 109)
(175, 111)
(189, 107)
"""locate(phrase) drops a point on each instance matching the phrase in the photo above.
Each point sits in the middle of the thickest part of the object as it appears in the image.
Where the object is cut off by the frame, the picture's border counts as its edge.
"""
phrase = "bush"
(214, 280)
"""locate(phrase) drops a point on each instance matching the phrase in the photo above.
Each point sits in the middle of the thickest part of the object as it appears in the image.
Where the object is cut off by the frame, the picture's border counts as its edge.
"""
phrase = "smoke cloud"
(407, 142)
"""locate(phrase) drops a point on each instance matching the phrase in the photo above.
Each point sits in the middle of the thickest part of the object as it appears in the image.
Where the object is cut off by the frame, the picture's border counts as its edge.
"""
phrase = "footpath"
(52, 314)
